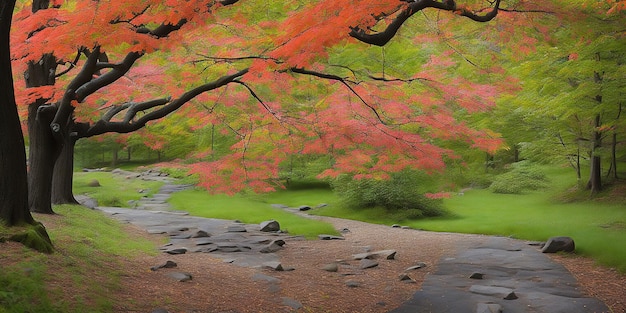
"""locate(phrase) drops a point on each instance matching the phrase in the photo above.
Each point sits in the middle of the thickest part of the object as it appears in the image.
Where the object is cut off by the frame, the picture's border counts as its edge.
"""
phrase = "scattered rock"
(160, 310)
(270, 226)
(344, 231)
(557, 244)
(93, 183)
(477, 275)
(396, 226)
(304, 208)
(387, 254)
(488, 308)
(330, 237)
(510, 296)
(204, 241)
(331, 267)
(180, 276)
(415, 267)
(273, 246)
(275, 265)
(200, 234)
(180, 236)
(367, 263)
(167, 264)
(352, 284)
(176, 251)
(405, 277)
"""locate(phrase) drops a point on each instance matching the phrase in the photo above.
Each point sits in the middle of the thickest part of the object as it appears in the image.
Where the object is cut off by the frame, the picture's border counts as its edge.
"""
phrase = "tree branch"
(383, 37)
(167, 106)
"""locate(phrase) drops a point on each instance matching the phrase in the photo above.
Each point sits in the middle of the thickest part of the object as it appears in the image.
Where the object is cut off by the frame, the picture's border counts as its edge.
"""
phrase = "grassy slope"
(254, 209)
(82, 272)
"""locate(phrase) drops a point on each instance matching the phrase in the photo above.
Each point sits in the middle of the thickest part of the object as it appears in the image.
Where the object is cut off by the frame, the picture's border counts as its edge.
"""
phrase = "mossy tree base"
(35, 237)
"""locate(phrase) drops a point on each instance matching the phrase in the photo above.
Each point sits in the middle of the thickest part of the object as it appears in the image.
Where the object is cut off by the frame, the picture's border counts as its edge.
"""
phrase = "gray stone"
(331, 267)
(415, 267)
(160, 310)
(236, 228)
(558, 244)
(167, 264)
(367, 263)
(365, 255)
(270, 226)
(477, 275)
(488, 308)
(304, 208)
(200, 234)
(272, 247)
(93, 183)
(275, 265)
(180, 276)
(294, 304)
(404, 277)
(176, 251)
(387, 254)
(180, 236)
(352, 284)
(396, 226)
(330, 237)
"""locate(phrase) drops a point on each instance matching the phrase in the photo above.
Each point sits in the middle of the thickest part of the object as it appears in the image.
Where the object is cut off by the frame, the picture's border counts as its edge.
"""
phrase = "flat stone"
(263, 277)
(236, 229)
(275, 265)
(180, 276)
(387, 254)
(304, 208)
(558, 244)
(181, 236)
(353, 283)
(367, 263)
(176, 251)
(204, 241)
(416, 267)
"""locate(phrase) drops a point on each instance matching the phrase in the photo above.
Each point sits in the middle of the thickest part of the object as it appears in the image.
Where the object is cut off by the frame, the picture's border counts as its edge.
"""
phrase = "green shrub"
(402, 196)
(523, 177)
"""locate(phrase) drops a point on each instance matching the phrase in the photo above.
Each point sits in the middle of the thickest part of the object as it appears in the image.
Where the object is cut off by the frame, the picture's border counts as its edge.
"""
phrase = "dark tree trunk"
(63, 175)
(13, 179)
(44, 150)
(595, 176)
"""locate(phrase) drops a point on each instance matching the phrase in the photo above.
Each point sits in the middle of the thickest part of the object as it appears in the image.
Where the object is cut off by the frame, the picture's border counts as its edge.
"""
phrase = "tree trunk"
(13, 179)
(44, 150)
(63, 175)
(595, 176)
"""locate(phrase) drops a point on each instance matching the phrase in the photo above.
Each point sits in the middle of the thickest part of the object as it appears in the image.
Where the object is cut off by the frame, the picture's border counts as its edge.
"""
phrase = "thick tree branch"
(167, 106)
(383, 37)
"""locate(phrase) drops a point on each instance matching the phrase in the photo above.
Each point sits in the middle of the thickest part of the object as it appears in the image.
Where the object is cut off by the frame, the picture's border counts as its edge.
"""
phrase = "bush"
(523, 177)
(402, 196)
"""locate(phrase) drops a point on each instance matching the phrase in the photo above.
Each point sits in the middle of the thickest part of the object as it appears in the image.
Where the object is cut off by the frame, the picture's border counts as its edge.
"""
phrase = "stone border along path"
(490, 275)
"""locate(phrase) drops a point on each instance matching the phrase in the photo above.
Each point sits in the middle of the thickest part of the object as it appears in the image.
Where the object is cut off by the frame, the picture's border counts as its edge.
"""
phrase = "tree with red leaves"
(373, 122)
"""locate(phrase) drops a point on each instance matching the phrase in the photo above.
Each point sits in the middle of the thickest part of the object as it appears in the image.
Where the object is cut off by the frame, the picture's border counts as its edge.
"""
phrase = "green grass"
(113, 190)
(88, 249)
(252, 209)
(597, 227)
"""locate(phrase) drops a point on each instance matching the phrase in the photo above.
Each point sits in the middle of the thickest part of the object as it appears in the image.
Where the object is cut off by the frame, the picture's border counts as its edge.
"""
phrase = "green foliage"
(402, 196)
(523, 177)
(114, 190)
(252, 209)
